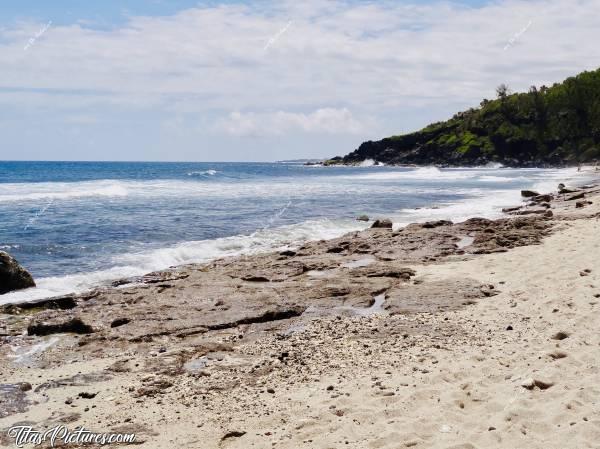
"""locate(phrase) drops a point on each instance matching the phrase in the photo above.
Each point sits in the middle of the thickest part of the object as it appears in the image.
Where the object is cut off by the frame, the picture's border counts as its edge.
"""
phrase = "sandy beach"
(481, 334)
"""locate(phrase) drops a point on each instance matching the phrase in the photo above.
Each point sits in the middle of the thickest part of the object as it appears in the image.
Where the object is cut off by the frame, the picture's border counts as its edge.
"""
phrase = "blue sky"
(114, 12)
(265, 80)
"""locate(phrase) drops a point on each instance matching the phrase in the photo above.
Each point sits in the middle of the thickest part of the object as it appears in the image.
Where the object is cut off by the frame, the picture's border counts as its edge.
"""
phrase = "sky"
(184, 80)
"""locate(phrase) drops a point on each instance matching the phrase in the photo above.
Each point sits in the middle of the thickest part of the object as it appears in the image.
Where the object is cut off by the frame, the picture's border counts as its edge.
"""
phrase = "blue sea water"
(75, 225)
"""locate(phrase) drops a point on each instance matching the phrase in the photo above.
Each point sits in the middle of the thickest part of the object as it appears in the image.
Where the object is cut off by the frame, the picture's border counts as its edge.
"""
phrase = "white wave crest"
(136, 264)
(203, 173)
(423, 173)
(61, 190)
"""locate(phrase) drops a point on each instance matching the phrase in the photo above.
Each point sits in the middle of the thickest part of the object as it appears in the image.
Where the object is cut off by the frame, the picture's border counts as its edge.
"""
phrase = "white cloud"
(325, 120)
(342, 60)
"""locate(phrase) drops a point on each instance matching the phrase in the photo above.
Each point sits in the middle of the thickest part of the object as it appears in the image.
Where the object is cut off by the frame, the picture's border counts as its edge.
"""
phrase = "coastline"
(297, 348)
(482, 194)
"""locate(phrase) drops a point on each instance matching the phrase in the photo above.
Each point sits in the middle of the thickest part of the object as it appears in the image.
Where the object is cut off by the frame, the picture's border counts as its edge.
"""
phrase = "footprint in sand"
(556, 355)
(560, 335)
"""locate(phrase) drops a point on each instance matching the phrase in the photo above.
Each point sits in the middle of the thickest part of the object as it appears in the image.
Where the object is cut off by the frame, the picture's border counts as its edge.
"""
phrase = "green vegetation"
(558, 125)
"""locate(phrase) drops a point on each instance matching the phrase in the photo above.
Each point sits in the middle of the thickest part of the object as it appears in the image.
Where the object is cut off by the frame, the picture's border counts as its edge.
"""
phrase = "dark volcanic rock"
(436, 224)
(12, 275)
(73, 325)
(511, 209)
(542, 199)
(61, 303)
(529, 193)
(120, 322)
(384, 223)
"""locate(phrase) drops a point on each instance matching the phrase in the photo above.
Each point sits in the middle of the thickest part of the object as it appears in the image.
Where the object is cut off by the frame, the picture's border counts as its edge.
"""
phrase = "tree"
(502, 91)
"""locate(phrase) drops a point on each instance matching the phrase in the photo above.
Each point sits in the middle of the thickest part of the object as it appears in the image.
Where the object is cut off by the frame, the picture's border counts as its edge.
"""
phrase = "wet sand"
(472, 335)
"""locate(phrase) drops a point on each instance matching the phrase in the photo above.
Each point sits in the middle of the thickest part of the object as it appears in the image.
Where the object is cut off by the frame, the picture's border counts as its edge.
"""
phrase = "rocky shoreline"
(211, 352)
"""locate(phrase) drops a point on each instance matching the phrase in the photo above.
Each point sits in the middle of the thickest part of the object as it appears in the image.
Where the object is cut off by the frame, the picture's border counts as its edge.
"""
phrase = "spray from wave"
(61, 190)
(203, 173)
(136, 264)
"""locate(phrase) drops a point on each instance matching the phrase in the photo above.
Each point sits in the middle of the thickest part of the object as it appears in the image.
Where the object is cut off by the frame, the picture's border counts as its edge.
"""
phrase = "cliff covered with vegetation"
(547, 126)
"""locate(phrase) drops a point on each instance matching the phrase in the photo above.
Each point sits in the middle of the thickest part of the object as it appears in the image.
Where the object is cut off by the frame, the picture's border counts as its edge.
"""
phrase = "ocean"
(77, 225)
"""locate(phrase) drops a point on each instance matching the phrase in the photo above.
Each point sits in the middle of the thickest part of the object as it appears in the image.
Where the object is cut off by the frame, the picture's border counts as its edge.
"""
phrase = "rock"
(580, 204)
(576, 197)
(55, 303)
(436, 224)
(542, 199)
(154, 388)
(384, 223)
(255, 279)
(549, 214)
(12, 275)
(511, 209)
(87, 395)
(233, 434)
(489, 290)
(287, 253)
(529, 193)
(531, 383)
(120, 322)
(362, 218)
(73, 325)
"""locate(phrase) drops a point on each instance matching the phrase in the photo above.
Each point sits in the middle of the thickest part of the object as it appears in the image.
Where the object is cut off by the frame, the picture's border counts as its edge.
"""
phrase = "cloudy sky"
(185, 80)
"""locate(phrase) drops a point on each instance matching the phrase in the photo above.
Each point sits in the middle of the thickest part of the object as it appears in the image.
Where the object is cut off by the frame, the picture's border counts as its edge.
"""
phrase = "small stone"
(25, 386)
(509, 328)
(270, 390)
(531, 383)
(86, 395)
(233, 434)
